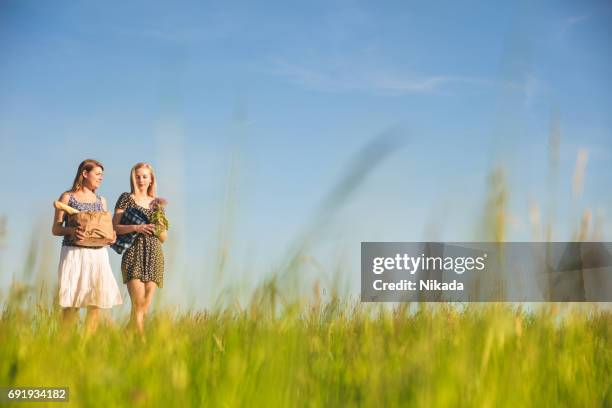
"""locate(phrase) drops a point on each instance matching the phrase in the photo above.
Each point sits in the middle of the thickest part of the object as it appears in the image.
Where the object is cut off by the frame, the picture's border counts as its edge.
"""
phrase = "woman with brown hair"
(85, 275)
(142, 264)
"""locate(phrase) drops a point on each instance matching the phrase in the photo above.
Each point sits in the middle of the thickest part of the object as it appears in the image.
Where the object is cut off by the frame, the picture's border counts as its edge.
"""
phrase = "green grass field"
(304, 354)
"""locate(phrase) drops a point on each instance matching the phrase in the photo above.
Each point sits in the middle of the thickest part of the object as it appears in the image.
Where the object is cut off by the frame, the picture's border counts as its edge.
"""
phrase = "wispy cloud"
(390, 81)
(573, 21)
(179, 35)
(366, 80)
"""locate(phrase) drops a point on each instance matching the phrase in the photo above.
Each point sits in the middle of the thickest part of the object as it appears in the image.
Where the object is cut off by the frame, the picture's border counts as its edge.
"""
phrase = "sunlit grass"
(337, 353)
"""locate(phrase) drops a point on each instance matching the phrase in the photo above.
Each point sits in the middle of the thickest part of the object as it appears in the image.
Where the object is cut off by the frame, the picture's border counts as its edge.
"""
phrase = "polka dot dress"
(144, 260)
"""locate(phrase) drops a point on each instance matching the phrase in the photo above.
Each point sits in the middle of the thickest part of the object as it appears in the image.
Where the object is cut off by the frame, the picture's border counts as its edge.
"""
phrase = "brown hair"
(86, 165)
(152, 190)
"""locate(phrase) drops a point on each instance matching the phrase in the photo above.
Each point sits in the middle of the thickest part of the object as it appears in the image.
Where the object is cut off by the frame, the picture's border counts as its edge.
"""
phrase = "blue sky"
(275, 99)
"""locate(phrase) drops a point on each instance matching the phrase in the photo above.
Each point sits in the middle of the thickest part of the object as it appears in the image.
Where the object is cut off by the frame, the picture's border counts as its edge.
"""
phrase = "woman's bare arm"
(128, 229)
(58, 219)
(121, 229)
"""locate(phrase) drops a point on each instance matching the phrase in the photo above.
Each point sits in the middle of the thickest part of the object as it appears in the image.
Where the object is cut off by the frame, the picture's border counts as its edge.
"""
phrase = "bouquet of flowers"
(159, 216)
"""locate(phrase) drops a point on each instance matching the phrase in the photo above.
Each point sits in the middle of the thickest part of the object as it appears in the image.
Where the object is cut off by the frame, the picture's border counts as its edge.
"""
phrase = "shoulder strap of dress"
(99, 203)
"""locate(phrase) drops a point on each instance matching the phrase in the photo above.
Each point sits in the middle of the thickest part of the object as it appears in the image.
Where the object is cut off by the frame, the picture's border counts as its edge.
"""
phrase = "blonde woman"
(142, 264)
(85, 275)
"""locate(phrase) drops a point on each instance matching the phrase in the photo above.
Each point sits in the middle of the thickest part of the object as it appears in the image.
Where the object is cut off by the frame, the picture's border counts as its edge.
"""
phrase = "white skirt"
(86, 278)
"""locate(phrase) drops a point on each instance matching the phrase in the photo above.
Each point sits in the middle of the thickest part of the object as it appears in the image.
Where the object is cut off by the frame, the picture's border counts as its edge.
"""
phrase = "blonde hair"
(152, 190)
(86, 165)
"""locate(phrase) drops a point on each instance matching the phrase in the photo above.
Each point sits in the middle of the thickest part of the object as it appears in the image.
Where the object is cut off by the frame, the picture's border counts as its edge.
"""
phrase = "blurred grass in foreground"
(313, 354)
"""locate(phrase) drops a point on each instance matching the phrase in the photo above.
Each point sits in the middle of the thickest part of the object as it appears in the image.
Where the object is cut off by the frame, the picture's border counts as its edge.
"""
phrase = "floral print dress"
(144, 260)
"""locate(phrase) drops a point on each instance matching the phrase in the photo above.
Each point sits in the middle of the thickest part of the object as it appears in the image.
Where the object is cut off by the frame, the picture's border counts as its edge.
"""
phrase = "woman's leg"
(91, 321)
(150, 288)
(69, 316)
(136, 289)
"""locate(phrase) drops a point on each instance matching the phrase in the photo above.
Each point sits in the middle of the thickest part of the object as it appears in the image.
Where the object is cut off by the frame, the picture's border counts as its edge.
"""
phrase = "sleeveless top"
(72, 202)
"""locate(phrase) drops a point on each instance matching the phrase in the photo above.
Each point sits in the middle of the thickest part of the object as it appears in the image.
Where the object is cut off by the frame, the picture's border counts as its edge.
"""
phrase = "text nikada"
(423, 285)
